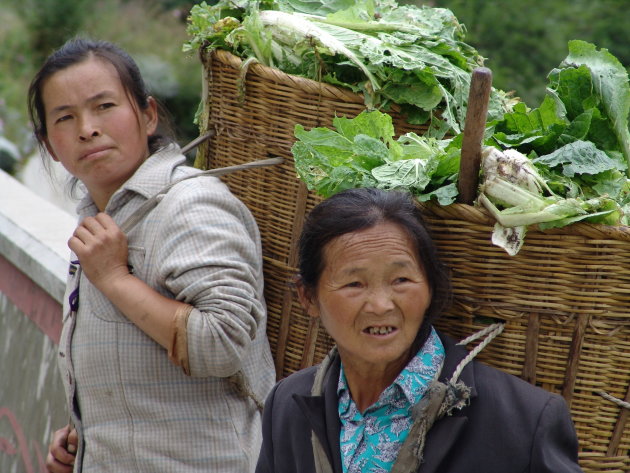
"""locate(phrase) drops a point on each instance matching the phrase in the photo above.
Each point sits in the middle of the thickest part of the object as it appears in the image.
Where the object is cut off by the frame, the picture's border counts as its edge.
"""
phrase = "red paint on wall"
(7, 446)
(31, 299)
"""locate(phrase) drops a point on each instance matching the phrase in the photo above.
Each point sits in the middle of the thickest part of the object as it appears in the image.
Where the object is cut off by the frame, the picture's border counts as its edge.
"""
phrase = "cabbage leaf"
(362, 152)
(407, 55)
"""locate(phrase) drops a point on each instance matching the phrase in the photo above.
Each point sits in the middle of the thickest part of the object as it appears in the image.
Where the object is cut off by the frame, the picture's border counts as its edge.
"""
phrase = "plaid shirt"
(135, 410)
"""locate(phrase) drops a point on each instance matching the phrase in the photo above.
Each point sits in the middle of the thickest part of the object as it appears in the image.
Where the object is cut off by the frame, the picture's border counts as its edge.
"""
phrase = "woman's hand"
(62, 450)
(101, 248)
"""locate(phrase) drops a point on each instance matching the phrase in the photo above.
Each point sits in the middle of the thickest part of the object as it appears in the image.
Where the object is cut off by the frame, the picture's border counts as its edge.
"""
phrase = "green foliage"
(523, 40)
(14, 57)
(49, 22)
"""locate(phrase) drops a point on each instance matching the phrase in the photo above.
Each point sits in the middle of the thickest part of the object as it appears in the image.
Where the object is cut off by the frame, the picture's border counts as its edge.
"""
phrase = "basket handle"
(470, 162)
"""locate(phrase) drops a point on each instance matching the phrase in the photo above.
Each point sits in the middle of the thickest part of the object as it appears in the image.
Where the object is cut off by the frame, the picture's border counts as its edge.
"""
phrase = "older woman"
(386, 400)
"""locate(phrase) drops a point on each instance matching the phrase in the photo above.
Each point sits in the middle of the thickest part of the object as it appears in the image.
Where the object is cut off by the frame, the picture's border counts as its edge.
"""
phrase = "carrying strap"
(155, 199)
(439, 400)
(322, 465)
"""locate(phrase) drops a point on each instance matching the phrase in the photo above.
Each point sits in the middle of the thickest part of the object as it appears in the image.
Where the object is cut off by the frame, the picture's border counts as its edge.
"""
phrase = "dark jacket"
(509, 426)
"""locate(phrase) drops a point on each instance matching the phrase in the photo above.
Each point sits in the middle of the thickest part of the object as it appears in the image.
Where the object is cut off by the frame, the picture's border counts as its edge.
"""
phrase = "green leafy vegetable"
(552, 166)
(610, 84)
(588, 101)
(362, 152)
(580, 157)
(577, 140)
(412, 56)
(517, 197)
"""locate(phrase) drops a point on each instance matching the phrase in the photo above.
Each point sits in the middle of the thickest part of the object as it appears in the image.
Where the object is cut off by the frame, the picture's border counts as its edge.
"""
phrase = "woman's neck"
(367, 383)
(100, 199)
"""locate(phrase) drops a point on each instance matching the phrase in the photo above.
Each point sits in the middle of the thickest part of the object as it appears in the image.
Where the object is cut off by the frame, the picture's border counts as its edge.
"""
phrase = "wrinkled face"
(371, 297)
(97, 133)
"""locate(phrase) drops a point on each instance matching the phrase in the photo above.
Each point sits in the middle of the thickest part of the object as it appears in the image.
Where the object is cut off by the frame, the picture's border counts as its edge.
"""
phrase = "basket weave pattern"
(565, 297)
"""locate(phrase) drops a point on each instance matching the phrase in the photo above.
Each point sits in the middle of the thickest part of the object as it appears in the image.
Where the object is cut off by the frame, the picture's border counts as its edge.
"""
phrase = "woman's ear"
(306, 299)
(150, 116)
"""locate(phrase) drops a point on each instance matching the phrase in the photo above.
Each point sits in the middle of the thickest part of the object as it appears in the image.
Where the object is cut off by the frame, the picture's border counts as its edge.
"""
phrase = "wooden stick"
(615, 440)
(197, 141)
(531, 348)
(480, 86)
(575, 350)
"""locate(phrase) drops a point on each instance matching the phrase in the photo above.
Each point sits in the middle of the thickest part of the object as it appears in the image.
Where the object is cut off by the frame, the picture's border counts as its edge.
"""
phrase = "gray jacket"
(135, 410)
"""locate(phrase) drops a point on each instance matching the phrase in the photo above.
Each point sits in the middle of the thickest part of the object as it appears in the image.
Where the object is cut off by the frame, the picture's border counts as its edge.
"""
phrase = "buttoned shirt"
(134, 409)
(370, 441)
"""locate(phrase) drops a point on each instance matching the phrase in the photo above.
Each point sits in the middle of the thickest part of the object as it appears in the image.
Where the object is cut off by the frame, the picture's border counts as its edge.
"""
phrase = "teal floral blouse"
(370, 441)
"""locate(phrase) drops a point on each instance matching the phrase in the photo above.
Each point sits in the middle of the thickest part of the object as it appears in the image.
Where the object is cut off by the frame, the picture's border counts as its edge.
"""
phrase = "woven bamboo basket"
(564, 297)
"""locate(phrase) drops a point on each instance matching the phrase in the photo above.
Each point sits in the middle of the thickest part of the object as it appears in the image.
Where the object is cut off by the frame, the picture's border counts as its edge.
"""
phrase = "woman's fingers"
(55, 466)
(97, 230)
(101, 248)
(73, 441)
(59, 459)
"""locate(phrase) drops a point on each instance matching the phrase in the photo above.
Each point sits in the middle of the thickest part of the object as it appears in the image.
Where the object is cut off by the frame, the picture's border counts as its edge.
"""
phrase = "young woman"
(394, 395)
(163, 351)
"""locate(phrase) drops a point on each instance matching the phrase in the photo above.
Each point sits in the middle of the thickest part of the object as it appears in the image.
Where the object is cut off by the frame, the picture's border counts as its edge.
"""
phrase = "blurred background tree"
(523, 40)
(153, 32)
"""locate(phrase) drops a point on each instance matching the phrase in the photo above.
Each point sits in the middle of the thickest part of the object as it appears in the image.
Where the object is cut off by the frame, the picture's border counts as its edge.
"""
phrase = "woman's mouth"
(96, 152)
(381, 330)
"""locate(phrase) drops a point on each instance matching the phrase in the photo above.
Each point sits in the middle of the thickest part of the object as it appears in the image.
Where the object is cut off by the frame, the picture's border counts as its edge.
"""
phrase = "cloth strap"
(155, 199)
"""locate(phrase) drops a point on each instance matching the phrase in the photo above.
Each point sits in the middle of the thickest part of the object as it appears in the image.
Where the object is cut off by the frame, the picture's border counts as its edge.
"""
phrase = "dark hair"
(78, 50)
(358, 209)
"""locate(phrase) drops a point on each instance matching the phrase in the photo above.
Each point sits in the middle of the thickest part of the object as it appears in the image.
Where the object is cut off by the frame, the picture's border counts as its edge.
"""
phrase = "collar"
(411, 383)
(153, 174)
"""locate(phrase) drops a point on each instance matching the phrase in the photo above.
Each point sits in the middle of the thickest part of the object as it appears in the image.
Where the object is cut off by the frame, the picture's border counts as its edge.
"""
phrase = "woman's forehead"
(89, 74)
(378, 241)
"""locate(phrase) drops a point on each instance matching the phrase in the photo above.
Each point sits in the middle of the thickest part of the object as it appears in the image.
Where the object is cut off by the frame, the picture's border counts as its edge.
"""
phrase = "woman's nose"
(380, 301)
(88, 130)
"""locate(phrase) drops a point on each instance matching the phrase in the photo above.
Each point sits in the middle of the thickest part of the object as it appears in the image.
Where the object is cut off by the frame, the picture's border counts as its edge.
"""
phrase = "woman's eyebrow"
(95, 98)
(100, 96)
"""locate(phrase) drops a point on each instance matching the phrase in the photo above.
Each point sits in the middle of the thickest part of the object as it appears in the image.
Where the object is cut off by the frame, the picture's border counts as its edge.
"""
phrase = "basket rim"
(276, 75)
(473, 214)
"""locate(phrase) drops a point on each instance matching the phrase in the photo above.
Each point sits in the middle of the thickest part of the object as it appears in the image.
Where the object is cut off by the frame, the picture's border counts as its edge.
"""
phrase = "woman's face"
(371, 297)
(93, 128)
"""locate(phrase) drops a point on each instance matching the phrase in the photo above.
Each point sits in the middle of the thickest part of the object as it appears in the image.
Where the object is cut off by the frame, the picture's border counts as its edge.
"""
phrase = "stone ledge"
(34, 235)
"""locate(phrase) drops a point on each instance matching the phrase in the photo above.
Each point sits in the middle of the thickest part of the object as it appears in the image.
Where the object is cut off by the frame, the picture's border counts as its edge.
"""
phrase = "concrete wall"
(33, 267)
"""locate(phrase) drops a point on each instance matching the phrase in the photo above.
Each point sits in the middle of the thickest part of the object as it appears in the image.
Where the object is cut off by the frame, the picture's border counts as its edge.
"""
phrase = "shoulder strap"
(322, 464)
(152, 201)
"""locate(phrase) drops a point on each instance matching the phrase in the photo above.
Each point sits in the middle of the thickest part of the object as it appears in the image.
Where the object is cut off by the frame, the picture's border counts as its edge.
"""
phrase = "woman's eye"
(63, 118)
(401, 279)
(353, 284)
(105, 106)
